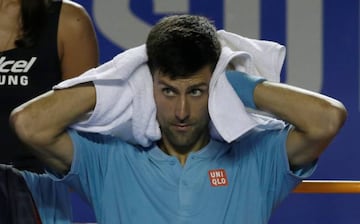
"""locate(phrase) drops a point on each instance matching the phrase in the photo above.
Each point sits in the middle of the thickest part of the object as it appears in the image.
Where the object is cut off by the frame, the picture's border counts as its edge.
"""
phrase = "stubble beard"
(183, 142)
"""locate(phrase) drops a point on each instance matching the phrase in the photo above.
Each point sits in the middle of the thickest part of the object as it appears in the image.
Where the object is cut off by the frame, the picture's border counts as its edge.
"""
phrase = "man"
(185, 177)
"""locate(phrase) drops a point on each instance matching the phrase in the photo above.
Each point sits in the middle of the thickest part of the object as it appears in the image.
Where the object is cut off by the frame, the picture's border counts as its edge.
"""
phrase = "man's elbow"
(327, 123)
(337, 115)
(23, 125)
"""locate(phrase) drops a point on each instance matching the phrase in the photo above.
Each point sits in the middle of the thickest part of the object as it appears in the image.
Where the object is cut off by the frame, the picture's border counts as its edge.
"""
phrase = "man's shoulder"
(102, 139)
(260, 136)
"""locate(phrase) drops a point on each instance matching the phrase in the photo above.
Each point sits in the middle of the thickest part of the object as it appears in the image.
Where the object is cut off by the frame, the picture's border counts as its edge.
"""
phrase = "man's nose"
(182, 109)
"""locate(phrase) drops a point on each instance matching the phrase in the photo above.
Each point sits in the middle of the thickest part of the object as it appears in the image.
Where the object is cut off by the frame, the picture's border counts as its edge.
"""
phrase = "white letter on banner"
(171, 6)
(304, 41)
(116, 21)
(242, 17)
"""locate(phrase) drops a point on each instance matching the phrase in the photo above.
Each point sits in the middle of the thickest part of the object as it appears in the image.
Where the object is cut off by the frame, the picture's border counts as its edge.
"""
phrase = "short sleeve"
(266, 151)
(52, 198)
(89, 164)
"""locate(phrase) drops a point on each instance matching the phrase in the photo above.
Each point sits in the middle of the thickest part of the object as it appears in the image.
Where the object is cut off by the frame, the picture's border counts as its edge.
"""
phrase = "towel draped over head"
(125, 106)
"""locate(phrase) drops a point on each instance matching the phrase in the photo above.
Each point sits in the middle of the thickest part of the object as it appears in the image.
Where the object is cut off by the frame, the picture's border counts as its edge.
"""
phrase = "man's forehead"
(198, 78)
(204, 72)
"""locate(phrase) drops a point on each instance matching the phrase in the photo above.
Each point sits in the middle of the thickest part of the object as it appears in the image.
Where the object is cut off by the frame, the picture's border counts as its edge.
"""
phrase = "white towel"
(124, 103)
(266, 58)
(230, 119)
(125, 106)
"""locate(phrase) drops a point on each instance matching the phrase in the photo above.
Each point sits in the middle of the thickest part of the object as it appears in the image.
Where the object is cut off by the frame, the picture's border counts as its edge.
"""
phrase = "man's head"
(179, 45)
(183, 52)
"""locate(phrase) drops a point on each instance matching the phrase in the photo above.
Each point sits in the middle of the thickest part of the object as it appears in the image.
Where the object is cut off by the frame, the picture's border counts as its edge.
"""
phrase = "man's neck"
(181, 153)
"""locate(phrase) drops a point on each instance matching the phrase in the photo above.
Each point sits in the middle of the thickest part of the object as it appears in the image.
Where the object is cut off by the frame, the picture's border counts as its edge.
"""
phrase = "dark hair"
(180, 45)
(33, 17)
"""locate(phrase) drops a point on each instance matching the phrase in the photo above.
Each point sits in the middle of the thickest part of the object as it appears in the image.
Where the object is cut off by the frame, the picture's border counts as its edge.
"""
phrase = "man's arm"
(42, 123)
(316, 118)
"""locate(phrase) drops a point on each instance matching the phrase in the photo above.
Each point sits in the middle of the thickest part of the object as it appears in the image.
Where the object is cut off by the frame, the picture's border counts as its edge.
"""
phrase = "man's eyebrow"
(197, 85)
(164, 83)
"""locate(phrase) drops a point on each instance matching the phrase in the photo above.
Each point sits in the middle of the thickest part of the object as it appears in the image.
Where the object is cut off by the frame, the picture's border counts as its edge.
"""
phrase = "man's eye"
(196, 92)
(168, 92)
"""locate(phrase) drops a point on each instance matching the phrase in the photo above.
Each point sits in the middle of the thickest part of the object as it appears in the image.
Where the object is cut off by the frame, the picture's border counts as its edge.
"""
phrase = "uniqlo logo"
(218, 178)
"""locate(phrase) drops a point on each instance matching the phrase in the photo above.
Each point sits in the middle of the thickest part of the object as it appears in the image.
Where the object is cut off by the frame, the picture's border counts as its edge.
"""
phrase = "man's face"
(182, 110)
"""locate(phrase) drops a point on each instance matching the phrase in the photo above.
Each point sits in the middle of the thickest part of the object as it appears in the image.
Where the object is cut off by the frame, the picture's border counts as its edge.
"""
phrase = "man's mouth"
(182, 127)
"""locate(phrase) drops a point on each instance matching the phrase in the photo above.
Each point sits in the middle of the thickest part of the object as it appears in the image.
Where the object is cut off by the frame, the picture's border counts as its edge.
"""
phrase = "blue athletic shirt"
(241, 182)
(52, 198)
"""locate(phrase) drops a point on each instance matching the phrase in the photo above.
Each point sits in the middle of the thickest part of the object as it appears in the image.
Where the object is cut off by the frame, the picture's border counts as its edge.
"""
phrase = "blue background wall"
(322, 39)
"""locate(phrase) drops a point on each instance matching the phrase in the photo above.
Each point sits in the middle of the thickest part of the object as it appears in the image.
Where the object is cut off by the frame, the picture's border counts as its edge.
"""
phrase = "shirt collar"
(212, 149)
